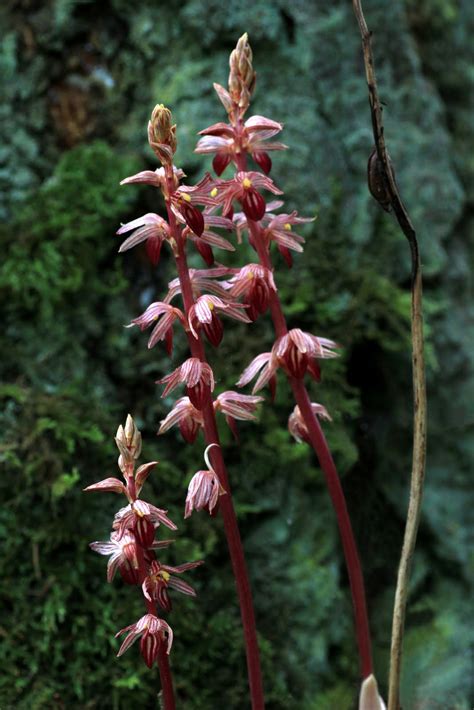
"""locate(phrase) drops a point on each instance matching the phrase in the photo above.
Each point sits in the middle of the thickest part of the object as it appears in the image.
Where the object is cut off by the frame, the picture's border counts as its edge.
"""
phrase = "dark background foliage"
(80, 79)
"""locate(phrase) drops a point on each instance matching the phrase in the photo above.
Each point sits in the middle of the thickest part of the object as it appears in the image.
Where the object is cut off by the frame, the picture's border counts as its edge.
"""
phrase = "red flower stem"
(166, 679)
(354, 568)
(231, 528)
(320, 446)
(163, 661)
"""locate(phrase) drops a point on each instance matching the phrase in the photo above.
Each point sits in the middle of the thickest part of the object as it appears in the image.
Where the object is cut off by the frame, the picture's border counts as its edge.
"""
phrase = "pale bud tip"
(369, 698)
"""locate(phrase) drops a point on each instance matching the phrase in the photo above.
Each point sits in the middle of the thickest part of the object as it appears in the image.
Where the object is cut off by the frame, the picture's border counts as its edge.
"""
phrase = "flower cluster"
(193, 214)
(132, 548)
(294, 351)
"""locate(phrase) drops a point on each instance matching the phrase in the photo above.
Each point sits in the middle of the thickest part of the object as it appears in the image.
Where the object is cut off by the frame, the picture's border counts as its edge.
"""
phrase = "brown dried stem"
(391, 198)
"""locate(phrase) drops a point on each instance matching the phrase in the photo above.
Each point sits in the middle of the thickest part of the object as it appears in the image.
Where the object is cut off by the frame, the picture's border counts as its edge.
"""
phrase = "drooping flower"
(237, 406)
(203, 313)
(202, 280)
(204, 489)
(296, 352)
(160, 577)
(297, 426)
(141, 518)
(203, 492)
(275, 228)
(185, 198)
(279, 229)
(182, 198)
(188, 418)
(163, 315)
(123, 555)
(150, 228)
(254, 282)
(196, 375)
(243, 187)
(154, 633)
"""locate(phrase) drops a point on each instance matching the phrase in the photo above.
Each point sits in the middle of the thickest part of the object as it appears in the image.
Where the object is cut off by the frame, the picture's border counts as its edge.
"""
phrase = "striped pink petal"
(190, 371)
(237, 405)
(147, 219)
(181, 410)
(181, 586)
(213, 144)
(218, 129)
(216, 240)
(259, 123)
(265, 376)
(255, 366)
(152, 313)
(148, 177)
(142, 474)
(161, 329)
(179, 569)
(110, 485)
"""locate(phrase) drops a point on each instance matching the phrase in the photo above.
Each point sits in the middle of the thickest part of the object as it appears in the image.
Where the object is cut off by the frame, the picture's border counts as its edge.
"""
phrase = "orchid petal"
(181, 586)
(252, 369)
(111, 485)
(148, 177)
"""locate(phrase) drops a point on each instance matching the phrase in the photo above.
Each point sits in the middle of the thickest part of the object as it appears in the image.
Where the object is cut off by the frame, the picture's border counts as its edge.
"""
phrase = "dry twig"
(384, 188)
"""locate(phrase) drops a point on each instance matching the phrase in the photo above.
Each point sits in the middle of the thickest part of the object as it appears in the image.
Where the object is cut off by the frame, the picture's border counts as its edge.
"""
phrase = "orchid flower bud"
(162, 134)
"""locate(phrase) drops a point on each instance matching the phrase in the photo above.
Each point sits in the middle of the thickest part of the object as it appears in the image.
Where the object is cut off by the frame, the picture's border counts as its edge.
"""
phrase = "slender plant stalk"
(166, 680)
(391, 197)
(226, 505)
(320, 446)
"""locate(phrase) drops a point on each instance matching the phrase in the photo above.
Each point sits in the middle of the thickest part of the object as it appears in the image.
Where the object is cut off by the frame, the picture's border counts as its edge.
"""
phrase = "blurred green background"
(80, 80)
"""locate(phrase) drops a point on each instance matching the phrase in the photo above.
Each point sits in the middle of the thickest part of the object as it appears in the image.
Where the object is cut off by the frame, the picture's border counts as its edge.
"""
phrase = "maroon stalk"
(166, 680)
(354, 568)
(231, 528)
(320, 446)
